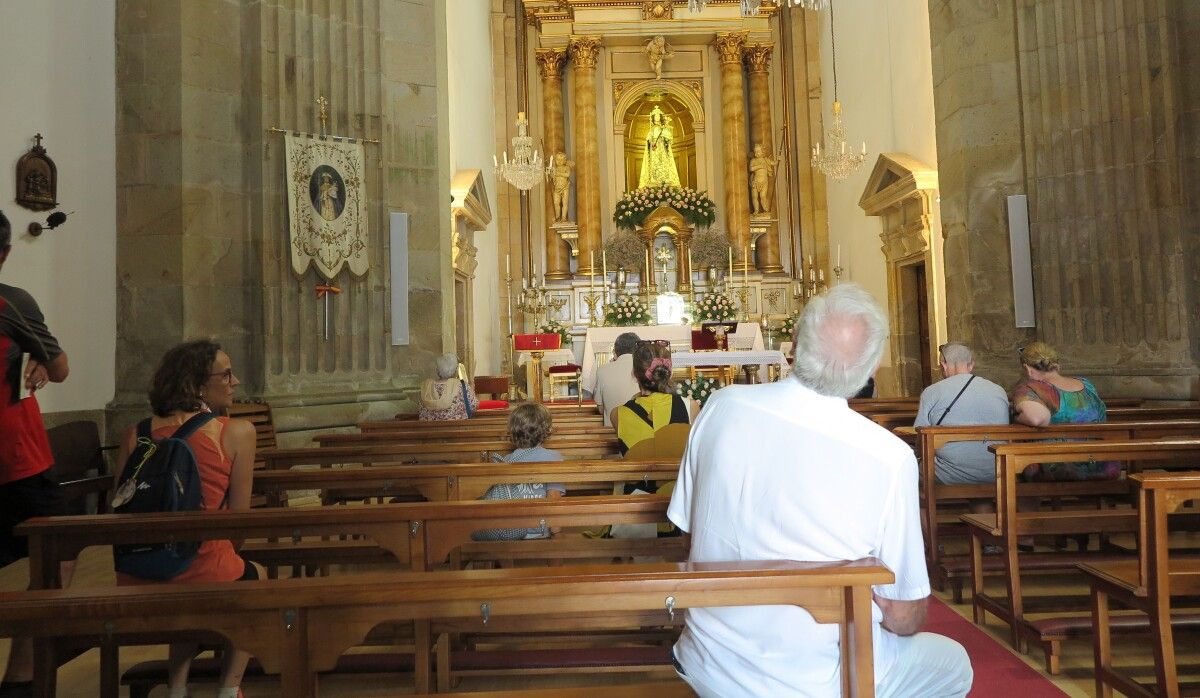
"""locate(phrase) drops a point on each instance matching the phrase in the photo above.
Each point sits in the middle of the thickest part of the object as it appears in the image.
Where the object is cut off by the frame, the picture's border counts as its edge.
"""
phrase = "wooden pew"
(426, 453)
(945, 569)
(489, 420)
(1008, 524)
(1148, 585)
(464, 481)
(452, 433)
(299, 627)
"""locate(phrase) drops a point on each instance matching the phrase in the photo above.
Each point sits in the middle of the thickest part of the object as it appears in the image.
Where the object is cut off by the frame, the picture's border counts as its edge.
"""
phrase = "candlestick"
(821, 275)
(689, 269)
(649, 270)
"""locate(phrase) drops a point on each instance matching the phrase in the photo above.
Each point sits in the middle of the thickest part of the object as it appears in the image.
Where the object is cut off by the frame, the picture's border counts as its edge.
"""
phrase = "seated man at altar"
(615, 383)
(787, 471)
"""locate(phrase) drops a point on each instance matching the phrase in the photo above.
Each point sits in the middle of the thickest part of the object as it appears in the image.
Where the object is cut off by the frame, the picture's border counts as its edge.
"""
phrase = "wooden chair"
(705, 340)
(1152, 584)
(259, 414)
(565, 375)
(79, 465)
(495, 386)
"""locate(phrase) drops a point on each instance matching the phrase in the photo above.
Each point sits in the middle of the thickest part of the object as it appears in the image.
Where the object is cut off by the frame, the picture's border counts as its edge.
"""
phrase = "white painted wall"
(59, 80)
(885, 83)
(469, 48)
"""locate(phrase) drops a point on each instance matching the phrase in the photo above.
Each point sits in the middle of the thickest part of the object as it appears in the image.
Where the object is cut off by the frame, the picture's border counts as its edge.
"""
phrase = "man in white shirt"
(615, 384)
(788, 471)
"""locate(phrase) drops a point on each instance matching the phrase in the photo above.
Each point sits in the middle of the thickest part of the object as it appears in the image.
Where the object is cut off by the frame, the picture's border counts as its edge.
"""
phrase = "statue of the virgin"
(658, 161)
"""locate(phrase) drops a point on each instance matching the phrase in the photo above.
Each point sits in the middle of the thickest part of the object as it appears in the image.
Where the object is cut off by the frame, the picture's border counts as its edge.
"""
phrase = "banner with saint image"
(326, 205)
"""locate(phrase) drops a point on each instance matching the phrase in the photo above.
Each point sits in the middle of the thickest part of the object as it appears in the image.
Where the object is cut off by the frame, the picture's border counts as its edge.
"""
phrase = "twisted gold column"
(762, 132)
(729, 47)
(584, 50)
(550, 64)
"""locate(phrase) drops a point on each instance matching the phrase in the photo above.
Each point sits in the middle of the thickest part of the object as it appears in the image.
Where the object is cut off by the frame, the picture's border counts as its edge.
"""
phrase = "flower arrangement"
(625, 250)
(695, 206)
(626, 311)
(787, 327)
(710, 248)
(715, 307)
(556, 327)
(699, 389)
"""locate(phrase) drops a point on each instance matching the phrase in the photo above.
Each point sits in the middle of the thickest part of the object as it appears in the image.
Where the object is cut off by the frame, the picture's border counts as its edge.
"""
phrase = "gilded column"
(762, 131)
(584, 50)
(729, 47)
(550, 64)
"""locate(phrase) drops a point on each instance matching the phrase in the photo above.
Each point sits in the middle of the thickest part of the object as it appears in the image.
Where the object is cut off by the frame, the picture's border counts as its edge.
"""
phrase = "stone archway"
(901, 191)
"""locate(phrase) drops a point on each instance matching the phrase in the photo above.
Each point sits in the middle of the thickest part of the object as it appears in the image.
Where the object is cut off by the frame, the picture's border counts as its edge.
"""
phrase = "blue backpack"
(159, 476)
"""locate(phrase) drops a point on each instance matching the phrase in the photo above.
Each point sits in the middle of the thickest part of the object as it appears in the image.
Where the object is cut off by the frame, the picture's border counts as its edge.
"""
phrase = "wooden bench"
(452, 433)
(459, 481)
(1149, 584)
(300, 627)
(491, 418)
(1008, 524)
(457, 452)
(950, 569)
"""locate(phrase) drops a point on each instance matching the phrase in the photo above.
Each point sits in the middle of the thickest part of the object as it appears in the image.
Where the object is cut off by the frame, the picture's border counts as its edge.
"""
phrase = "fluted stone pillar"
(729, 47)
(584, 50)
(550, 64)
(762, 131)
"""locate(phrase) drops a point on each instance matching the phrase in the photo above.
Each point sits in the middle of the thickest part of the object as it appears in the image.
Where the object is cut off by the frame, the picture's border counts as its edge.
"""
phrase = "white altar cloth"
(600, 339)
(762, 357)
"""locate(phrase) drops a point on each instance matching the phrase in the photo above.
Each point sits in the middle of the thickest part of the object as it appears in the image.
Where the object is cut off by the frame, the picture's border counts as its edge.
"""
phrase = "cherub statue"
(560, 171)
(762, 173)
(657, 50)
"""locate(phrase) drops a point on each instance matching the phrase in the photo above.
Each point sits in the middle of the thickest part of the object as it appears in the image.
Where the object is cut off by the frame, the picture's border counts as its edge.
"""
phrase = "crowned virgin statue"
(658, 163)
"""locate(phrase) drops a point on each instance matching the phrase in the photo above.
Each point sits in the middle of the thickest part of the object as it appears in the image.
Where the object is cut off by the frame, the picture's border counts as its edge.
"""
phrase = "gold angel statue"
(658, 161)
(658, 50)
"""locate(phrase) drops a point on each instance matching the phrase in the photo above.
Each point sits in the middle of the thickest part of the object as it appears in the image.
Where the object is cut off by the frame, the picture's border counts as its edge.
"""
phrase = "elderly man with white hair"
(449, 397)
(962, 398)
(788, 471)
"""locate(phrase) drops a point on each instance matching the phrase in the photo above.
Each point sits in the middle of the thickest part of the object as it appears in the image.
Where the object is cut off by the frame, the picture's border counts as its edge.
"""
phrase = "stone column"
(729, 47)
(550, 64)
(584, 50)
(758, 64)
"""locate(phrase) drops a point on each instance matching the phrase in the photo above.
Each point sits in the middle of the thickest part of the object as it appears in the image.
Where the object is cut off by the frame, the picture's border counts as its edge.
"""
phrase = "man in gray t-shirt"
(982, 402)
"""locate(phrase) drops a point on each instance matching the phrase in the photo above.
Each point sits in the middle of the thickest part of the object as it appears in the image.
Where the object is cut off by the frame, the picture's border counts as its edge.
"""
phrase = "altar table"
(685, 359)
(600, 339)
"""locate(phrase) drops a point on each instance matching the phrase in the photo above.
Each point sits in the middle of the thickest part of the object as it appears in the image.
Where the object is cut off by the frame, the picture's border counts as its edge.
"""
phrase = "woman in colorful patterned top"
(449, 397)
(1047, 397)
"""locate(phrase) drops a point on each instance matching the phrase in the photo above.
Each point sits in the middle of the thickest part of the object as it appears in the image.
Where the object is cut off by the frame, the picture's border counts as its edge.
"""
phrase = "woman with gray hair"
(448, 397)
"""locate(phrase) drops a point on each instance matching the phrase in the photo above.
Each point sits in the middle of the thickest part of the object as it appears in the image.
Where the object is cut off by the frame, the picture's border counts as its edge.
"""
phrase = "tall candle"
(821, 275)
(591, 269)
(649, 270)
(839, 257)
(689, 269)
(508, 266)
(729, 280)
(746, 268)
(533, 277)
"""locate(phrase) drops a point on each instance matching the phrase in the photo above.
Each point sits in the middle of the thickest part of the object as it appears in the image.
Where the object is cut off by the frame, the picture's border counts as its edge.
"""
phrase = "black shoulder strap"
(641, 412)
(192, 425)
(956, 397)
(679, 411)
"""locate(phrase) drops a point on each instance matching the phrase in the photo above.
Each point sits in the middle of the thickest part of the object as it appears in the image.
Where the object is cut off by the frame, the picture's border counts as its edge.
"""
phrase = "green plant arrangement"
(699, 389)
(695, 206)
(556, 327)
(710, 248)
(626, 311)
(624, 250)
(715, 307)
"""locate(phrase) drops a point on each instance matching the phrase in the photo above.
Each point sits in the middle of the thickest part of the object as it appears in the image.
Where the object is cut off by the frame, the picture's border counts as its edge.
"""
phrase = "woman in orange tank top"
(193, 377)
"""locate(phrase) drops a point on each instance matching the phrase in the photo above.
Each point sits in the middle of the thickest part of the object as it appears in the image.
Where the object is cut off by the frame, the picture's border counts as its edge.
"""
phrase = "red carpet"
(998, 672)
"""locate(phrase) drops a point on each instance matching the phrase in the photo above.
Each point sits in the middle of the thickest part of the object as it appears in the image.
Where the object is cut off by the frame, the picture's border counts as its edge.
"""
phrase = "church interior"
(342, 192)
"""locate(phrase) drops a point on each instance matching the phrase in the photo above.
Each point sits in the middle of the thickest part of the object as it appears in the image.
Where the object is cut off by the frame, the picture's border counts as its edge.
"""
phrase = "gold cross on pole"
(323, 113)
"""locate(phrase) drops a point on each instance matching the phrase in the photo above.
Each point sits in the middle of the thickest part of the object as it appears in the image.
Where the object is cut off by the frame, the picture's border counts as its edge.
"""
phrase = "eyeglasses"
(655, 342)
(226, 375)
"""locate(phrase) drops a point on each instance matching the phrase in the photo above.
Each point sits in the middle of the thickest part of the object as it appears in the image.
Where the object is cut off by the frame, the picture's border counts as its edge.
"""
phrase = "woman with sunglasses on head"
(656, 405)
(196, 379)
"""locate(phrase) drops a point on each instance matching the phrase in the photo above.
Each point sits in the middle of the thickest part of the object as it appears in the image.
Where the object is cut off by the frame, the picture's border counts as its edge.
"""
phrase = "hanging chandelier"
(837, 161)
(526, 169)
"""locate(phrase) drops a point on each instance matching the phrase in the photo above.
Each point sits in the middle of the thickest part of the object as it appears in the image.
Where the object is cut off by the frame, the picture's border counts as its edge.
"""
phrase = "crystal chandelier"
(526, 169)
(837, 162)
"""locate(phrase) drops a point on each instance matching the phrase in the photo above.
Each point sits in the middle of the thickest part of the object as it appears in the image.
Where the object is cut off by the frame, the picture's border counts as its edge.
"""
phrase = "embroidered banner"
(326, 205)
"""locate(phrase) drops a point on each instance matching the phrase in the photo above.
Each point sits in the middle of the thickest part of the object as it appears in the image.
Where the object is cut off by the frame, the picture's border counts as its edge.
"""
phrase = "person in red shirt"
(29, 358)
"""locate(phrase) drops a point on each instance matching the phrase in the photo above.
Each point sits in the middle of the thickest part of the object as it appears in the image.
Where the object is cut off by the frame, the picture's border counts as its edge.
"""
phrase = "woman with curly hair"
(528, 426)
(656, 405)
(195, 381)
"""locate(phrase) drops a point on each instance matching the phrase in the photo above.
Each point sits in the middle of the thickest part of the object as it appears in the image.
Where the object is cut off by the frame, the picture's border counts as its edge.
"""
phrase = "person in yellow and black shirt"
(656, 405)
